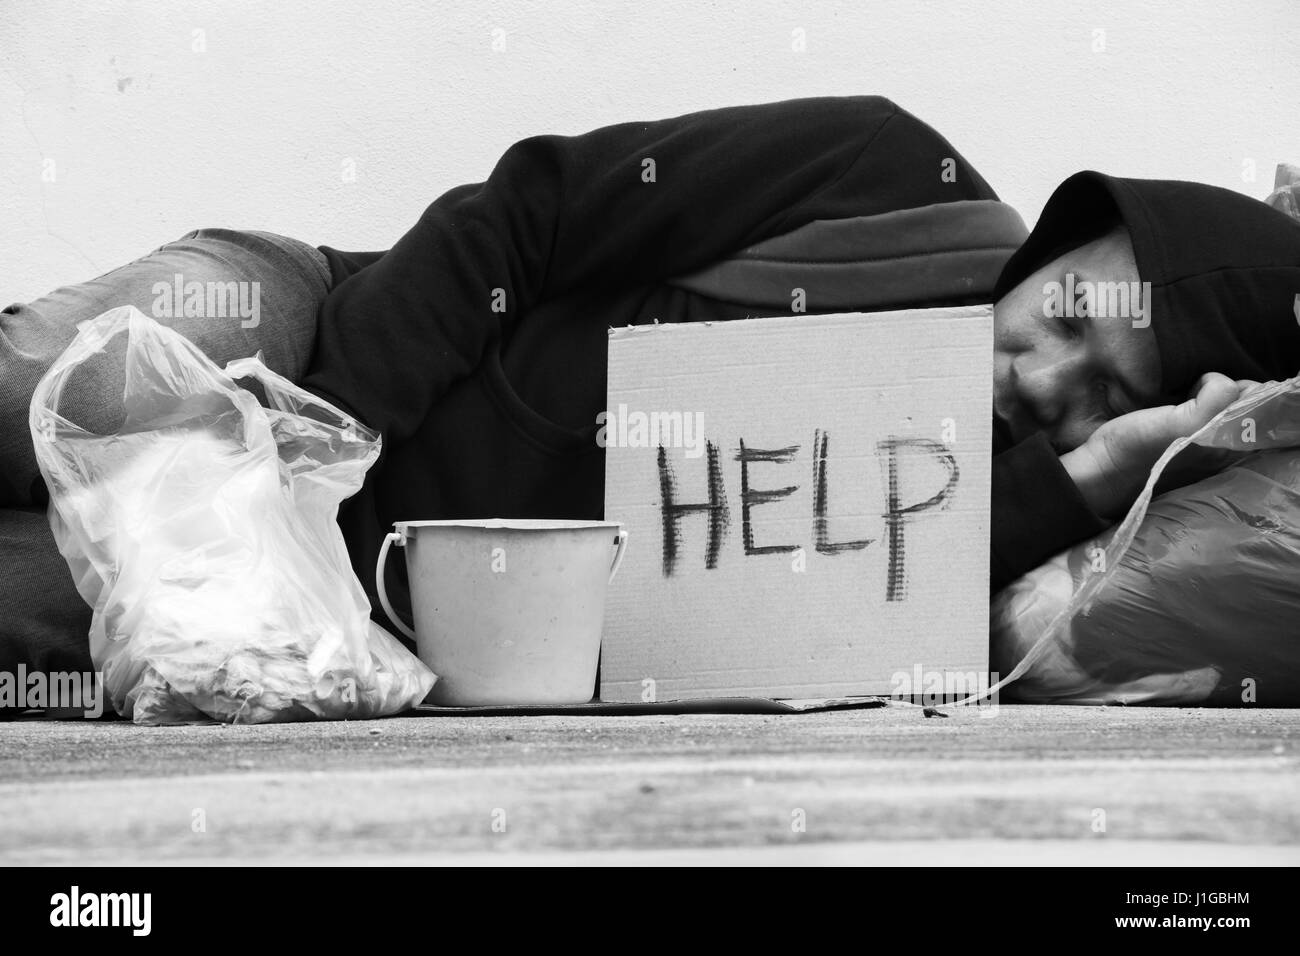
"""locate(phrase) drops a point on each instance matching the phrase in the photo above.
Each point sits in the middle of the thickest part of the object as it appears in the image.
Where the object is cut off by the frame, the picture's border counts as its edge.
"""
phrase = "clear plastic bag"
(1192, 599)
(1285, 196)
(202, 533)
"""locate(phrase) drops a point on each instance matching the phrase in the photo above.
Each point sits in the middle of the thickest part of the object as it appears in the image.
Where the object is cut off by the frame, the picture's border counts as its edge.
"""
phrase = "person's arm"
(622, 205)
(1038, 510)
(1043, 504)
(1111, 468)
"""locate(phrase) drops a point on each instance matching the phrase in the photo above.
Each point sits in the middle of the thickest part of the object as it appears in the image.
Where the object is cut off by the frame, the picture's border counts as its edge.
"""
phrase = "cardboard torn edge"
(798, 321)
(698, 705)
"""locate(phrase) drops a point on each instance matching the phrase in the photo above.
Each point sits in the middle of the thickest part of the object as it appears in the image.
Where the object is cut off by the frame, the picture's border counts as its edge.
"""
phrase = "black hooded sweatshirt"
(492, 413)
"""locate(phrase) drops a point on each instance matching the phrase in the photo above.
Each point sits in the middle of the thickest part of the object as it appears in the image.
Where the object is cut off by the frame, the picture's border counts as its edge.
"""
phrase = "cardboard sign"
(808, 504)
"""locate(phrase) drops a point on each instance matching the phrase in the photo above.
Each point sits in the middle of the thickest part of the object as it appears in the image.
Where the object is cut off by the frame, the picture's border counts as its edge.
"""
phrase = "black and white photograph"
(700, 433)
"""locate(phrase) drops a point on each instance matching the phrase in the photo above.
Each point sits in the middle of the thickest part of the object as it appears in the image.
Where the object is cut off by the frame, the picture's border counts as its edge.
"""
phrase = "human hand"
(1112, 466)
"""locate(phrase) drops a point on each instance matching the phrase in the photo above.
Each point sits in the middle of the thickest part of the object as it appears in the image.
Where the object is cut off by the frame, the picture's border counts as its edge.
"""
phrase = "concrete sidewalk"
(1029, 785)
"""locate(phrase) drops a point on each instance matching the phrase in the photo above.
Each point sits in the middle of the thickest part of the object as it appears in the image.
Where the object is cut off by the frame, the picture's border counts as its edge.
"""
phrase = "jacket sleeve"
(619, 206)
(1037, 510)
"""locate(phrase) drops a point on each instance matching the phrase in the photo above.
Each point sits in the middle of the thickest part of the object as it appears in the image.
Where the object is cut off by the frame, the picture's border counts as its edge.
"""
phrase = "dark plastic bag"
(1192, 599)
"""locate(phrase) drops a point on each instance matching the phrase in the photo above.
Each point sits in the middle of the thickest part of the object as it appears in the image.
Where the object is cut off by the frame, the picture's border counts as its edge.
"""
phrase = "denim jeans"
(287, 280)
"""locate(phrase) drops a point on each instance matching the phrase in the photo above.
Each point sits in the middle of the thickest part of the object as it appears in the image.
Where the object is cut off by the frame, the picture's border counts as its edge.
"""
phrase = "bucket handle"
(618, 555)
(397, 538)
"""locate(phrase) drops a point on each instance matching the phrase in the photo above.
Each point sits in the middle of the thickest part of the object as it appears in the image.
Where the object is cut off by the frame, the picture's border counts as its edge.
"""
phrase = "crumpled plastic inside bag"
(1285, 196)
(202, 533)
(1192, 599)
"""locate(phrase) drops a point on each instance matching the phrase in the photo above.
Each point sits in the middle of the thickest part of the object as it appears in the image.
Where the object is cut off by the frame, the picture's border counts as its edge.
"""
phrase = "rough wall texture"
(124, 125)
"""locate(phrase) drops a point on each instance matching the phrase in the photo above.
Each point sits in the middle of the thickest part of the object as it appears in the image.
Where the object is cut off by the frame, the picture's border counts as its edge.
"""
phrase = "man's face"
(1068, 374)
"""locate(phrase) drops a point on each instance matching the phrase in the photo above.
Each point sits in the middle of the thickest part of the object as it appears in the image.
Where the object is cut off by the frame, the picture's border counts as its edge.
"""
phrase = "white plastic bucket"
(507, 611)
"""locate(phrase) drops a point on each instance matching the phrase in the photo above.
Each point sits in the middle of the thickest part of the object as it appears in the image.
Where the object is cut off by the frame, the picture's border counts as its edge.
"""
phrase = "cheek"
(1003, 324)
(1016, 324)
(1001, 377)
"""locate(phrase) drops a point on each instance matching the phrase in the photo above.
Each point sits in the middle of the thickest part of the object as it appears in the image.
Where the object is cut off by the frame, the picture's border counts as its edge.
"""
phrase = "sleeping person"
(1085, 404)
(477, 344)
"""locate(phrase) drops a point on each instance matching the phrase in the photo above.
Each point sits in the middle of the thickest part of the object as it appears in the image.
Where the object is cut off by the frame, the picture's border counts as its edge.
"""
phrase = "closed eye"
(1068, 329)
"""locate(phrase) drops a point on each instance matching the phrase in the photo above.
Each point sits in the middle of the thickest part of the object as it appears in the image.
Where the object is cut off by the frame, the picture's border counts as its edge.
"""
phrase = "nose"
(1043, 381)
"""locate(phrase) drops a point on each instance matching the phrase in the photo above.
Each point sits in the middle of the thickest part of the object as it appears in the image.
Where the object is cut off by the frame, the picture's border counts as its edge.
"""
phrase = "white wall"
(149, 138)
